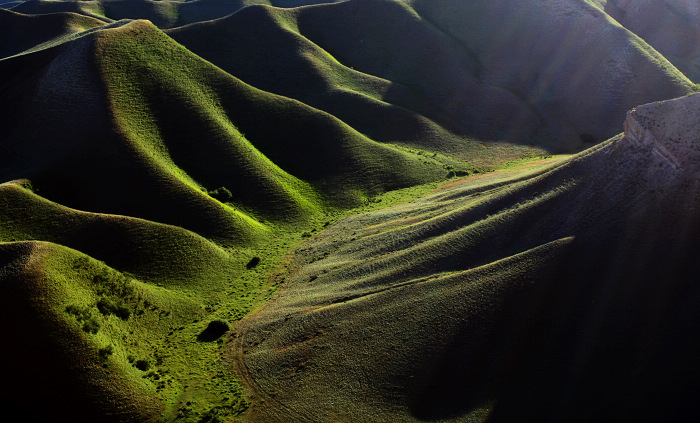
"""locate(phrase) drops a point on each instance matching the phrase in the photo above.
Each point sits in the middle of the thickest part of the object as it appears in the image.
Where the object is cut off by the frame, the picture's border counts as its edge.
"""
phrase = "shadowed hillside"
(89, 8)
(670, 26)
(20, 32)
(204, 10)
(139, 154)
(433, 74)
(163, 13)
(554, 74)
(261, 46)
(359, 60)
(563, 294)
(49, 355)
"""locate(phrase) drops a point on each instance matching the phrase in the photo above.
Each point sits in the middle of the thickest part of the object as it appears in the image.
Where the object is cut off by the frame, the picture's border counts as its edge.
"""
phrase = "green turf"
(380, 259)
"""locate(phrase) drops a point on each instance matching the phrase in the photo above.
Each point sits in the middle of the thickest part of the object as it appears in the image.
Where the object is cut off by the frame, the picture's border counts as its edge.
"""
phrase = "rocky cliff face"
(670, 131)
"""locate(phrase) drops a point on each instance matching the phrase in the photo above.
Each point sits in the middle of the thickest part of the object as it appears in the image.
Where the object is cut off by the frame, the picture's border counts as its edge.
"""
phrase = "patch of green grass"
(527, 163)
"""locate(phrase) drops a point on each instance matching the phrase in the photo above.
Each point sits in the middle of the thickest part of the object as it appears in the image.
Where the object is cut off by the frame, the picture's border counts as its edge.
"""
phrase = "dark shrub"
(253, 262)
(107, 307)
(142, 365)
(106, 352)
(84, 316)
(91, 326)
(222, 194)
(216, 329)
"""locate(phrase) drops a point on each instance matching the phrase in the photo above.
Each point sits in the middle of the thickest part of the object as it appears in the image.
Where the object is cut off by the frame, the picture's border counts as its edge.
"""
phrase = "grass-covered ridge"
(344, 212)
(291, 155)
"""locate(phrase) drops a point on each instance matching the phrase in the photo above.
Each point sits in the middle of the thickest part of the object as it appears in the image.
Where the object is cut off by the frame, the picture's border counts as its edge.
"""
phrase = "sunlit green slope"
(160, 191)
(167, 129)
(263, 47)
(276, 141)
(152, 185)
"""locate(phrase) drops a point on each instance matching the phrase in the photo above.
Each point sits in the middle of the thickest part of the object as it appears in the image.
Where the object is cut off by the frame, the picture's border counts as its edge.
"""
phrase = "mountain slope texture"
(362, 210)
(562, 294)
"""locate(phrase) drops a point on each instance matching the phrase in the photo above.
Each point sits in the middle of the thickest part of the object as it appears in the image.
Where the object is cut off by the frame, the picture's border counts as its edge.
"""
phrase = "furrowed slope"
(103, 310)
(161, 13)
(556, 75)
(19, 32)
(204, 10)
(135, 168)
(166, 131)
(291, 137)
(563, 294)
(89, 8)
(262, 46)
(87, 163)
(167, 101)
(167, 255)
(671, 27)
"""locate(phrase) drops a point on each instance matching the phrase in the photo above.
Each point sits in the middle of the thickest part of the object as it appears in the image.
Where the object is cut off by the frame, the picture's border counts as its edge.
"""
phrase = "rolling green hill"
(352, 58)
(94, 9)
(261, 46)
(148, 171)
(302, 210)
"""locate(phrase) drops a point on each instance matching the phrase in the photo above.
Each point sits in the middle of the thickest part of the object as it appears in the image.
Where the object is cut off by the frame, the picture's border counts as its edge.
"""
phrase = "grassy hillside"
(19, 32)
(669, 26)
(356, 61)
(50, 356)
(284, 140)
(505, 297)
(344, 212)
(163, 139)
(163, 13)
(451, 52)
(89, 8)
(262, 46)
(453, 78)
(157, 216)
